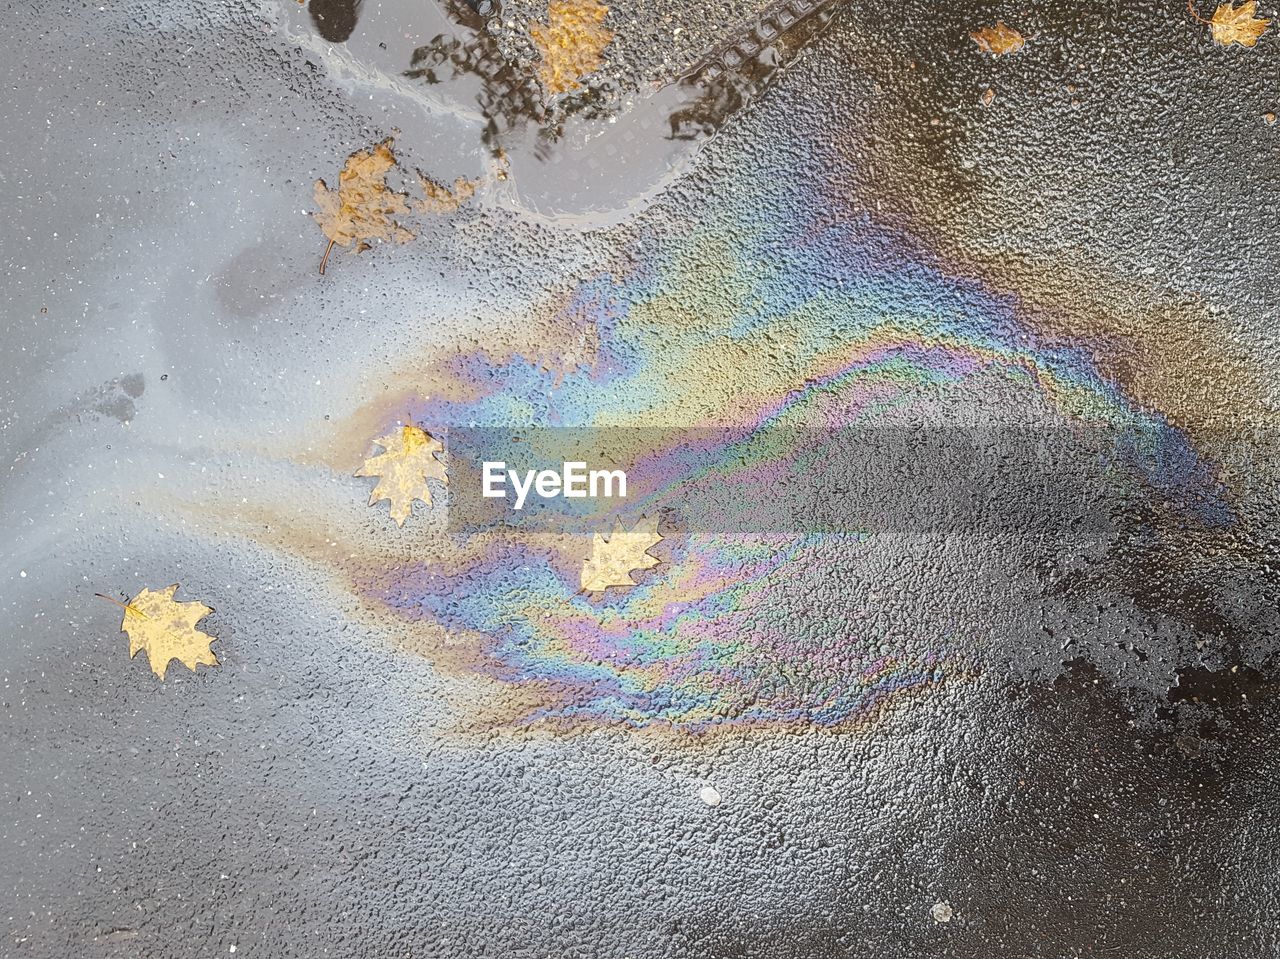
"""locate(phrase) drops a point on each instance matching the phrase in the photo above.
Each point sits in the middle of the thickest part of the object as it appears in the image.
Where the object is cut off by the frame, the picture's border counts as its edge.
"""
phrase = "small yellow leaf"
(998, 40)
(1232, 24)
(408, 461)
(612, 561)
(571, 42)
(166, 629)
(363, 208)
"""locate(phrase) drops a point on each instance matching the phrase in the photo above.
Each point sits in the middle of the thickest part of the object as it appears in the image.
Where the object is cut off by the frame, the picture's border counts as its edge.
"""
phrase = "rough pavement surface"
(1047, 731)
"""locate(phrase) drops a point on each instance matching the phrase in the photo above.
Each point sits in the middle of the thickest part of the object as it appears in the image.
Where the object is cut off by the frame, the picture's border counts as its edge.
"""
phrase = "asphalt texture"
(937, 711)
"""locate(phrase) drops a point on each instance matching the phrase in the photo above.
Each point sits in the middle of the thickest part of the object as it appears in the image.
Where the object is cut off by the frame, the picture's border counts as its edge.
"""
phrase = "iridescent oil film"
(639, 480)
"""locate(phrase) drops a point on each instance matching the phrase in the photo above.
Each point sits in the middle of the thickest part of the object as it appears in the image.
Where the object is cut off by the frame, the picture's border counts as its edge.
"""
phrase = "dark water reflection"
(335, 20)
(733, 74)
(560, 152)
(711, 91)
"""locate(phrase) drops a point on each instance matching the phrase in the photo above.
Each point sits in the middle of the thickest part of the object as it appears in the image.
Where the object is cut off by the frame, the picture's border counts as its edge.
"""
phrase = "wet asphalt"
(1096, 776)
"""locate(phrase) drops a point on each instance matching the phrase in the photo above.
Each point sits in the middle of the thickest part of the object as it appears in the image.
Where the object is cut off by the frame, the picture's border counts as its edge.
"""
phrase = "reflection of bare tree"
(738, 70)
(719, 85)
(510, 96)
(335, 20)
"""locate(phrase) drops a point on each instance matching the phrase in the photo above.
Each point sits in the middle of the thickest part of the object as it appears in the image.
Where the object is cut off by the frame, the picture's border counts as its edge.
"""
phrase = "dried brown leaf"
(571, 42)
(438, 198)
(998, 40)
(612, 561)
(1231, 24)
(363, 208)
(408, 460)
(166, 629)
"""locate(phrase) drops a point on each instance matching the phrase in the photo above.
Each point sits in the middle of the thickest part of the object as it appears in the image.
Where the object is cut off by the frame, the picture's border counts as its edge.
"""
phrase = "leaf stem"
(125, 606)
(329, 248)
(1190, 9)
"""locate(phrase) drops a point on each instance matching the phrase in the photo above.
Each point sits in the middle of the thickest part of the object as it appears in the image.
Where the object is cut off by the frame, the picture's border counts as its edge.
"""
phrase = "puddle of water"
(456, 87)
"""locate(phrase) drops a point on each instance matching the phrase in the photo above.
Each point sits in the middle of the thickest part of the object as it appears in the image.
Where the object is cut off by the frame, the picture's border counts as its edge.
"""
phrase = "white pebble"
(709, 795)
(942, 911)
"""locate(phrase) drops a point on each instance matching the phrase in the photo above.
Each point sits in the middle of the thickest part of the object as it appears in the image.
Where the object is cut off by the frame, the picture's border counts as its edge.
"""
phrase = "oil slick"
(715, 641)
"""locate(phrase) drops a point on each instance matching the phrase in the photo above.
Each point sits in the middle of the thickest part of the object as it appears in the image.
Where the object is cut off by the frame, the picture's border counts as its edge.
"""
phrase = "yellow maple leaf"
(612, 561)
(363, 207)
(998, 40)
(166, 629)
(1231, 24)
(408, 461)
(571, 42)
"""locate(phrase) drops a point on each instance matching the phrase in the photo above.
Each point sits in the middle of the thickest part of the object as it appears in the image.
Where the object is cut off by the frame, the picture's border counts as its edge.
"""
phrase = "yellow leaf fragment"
(1231, 24)
(408, 461)
(166, 629)
(363, 207)
(571, 42)
(438, 198)
(998, 40)
(612, 561)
